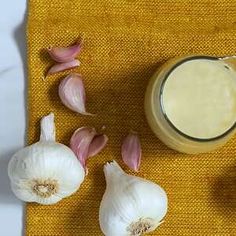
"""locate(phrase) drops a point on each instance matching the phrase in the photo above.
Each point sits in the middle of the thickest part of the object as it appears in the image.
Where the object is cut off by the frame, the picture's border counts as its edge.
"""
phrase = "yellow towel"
(125, 41)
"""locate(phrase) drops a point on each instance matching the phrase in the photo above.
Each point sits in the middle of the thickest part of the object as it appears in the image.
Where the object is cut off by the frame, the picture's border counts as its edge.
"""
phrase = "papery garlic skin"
(45, 172)
(131, 206)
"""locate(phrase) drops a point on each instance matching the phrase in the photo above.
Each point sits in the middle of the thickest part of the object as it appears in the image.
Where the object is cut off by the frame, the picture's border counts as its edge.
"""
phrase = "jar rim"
(188, 58)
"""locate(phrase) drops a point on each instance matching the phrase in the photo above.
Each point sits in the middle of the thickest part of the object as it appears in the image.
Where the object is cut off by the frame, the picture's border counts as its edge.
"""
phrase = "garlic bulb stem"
(47, 128)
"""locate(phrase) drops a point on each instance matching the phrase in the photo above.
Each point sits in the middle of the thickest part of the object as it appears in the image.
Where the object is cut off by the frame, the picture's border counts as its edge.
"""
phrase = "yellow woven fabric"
(125, 42)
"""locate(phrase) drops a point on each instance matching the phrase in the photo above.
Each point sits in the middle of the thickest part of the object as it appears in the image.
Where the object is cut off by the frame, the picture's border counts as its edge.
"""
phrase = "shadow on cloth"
(88, 204)
(224, 193)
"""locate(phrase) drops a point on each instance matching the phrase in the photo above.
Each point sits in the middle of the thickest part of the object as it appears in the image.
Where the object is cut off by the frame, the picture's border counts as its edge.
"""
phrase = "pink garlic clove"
(131, 151)
(80, 142)
(65, 54)
(72, 93)
(97, 144)
(63, 66)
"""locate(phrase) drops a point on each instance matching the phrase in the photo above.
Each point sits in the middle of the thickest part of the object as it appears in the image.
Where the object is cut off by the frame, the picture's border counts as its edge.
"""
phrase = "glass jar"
(190, 103)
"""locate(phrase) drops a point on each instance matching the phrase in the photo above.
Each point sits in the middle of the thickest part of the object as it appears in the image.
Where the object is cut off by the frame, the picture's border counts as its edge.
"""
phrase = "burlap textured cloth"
(125, 41)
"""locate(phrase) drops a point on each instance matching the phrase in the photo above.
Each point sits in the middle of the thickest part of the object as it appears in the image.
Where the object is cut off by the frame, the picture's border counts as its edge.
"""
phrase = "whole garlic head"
(47, 171)
(131, 206)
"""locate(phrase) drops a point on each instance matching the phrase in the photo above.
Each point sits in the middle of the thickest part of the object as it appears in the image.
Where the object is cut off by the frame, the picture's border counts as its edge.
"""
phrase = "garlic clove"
(97, 144)
(131, 151)
(72, 93)
(65, 54)
(80, 142)
(59, 67)
(130, 205)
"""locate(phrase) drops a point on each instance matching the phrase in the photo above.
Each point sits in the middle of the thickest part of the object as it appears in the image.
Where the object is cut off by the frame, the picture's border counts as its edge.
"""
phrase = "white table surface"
(12, 104)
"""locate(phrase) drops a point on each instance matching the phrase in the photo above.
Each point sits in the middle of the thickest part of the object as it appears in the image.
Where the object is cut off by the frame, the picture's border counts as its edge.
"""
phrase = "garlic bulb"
(131, 206)
(45, 172)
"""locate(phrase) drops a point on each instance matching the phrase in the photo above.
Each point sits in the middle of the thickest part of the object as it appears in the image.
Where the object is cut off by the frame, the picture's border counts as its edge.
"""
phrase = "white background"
(12, 107)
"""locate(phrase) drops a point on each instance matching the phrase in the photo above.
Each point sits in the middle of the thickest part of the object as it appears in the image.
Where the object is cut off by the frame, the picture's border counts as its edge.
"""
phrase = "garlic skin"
(131, 206)
(45, 172)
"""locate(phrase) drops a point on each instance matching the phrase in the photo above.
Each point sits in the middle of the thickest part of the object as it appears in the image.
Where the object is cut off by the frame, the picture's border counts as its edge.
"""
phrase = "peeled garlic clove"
(63, 66)
(80, 142)
(131, 151)
(72, 93)
(65, 54)
(47, 171)
(130, 205)
(97, 144)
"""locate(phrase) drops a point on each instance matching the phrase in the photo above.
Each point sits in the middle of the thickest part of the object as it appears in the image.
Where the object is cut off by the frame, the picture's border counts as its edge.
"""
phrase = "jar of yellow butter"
(190, 103)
